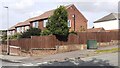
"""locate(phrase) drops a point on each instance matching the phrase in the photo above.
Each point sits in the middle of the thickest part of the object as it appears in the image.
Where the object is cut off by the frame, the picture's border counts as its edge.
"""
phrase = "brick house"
(76, 21)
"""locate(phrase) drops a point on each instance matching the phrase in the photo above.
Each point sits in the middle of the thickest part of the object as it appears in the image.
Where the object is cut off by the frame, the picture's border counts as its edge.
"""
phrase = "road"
(110, 59)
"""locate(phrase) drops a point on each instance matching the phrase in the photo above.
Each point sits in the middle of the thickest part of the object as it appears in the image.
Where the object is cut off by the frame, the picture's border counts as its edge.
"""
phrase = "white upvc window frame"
(45, 22)
(22, 29)
(26, 28)
(35, 24)
(69, 23)
(18, 29)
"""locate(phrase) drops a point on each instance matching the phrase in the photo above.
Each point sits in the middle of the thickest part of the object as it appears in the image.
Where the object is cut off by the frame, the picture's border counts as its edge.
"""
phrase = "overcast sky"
(21, 10)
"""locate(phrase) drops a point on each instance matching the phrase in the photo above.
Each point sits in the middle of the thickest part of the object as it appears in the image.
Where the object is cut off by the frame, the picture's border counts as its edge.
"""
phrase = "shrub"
(16, 36)
(73, 32)
(45, 32)
(31, 32)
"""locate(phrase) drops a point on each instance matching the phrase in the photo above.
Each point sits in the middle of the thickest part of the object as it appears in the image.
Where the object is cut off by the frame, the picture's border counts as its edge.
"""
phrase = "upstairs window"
(35, 24)
(22, 29)
(26, 28)
(18, 29)
(69, 23)
(44, 23)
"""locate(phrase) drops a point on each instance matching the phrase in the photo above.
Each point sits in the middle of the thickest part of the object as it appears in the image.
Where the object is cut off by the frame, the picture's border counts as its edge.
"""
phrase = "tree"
(4, 37)
(45, 32)
(57, 23)
(31, 32)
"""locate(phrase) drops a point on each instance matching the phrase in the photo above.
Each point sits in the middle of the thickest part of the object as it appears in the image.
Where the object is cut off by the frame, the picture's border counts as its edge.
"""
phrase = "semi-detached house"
(76, 21)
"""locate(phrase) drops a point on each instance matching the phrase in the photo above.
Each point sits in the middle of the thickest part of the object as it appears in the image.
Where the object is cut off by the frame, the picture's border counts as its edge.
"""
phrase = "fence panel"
(43, 42)
(51, 41)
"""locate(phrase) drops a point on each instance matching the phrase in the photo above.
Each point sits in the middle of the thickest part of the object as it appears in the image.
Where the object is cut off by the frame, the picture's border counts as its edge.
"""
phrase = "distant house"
(96, 30)
(76, 21)
(108, 22)
(19, 27)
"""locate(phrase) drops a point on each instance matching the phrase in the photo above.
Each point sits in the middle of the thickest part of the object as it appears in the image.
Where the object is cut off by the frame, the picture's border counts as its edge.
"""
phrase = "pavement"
(13, 59)
(30, 61)
(72, 54)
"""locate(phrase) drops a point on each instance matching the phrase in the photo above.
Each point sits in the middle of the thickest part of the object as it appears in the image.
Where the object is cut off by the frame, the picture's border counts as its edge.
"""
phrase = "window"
(44, 23)
(82, 28)
(35, 24)
(22, 29)
(9, 33)
(26, 28)
(18, 29)
(69, 23)
(13, 32)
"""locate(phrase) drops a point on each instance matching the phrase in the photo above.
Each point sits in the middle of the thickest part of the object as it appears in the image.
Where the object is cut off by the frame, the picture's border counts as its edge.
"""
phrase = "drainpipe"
(74, 20)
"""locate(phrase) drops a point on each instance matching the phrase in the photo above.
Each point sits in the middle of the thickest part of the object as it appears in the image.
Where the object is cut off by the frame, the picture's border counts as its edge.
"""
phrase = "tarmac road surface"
(110, 59)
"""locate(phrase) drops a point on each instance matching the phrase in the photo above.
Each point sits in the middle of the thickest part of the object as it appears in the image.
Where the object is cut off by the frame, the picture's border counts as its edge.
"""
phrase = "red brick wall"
(41, 25)
(80, 20)
(15, 51)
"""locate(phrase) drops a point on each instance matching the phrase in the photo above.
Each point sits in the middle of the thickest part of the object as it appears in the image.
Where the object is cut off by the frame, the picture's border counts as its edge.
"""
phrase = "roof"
(42, 16)
(20, 24)
(23, 23)
(47, 14)
(96, 30)
(13, 27)
(111, 16)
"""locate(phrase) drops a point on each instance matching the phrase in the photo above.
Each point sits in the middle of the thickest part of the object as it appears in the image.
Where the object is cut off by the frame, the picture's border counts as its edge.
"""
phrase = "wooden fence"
(52, 41)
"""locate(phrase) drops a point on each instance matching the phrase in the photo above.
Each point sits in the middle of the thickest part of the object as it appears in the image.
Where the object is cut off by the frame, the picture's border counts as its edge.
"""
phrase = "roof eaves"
(104, 20)
(108, 17)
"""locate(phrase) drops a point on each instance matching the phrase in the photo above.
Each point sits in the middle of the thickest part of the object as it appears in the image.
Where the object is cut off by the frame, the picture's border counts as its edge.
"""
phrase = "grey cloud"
(98, 6)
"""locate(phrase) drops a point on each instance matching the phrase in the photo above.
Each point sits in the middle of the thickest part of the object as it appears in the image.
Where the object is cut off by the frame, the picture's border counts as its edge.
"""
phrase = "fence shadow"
(62, 38)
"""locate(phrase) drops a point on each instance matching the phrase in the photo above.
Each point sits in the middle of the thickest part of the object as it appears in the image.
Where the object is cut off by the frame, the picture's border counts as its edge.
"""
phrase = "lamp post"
(7, 29)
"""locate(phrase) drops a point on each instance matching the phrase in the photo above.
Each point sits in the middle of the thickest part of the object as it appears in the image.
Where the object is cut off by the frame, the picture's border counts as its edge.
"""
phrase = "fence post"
(57, 48)
(31, 51)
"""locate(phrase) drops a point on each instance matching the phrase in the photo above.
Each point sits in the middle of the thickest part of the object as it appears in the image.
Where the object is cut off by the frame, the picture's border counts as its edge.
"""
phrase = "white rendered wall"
(107, 25)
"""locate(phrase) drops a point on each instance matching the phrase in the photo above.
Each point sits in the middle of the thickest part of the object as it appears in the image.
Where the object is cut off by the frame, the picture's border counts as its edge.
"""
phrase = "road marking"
(42, 63)
(29, 64)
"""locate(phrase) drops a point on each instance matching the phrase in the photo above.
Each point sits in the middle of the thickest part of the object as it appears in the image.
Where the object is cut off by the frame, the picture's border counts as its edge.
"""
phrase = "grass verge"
(108, 50)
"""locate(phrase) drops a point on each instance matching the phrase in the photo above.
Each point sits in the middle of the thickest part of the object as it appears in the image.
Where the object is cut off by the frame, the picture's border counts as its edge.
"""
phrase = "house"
(108, 22)
(19, 27)
(76, 20)
(96, 30)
